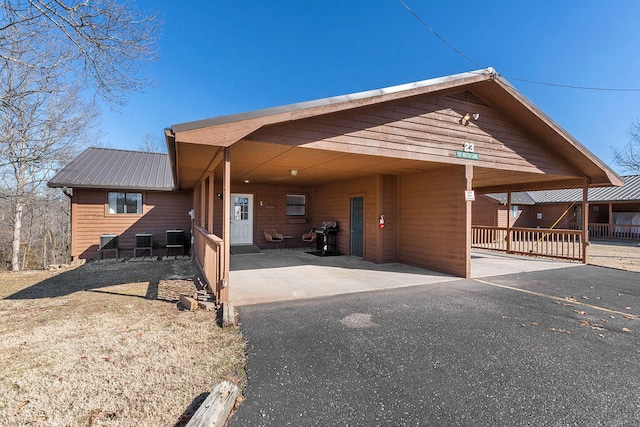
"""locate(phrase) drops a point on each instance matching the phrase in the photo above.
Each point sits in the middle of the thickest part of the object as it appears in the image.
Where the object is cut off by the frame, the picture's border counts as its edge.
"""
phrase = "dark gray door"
(357, 226)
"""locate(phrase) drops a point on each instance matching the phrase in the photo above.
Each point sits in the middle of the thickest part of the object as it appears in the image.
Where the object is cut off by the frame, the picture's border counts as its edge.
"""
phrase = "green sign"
(467, 155)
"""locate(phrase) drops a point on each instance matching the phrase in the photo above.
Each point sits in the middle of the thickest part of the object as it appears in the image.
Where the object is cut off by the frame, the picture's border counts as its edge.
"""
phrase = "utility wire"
(440, 37)
(450, 46)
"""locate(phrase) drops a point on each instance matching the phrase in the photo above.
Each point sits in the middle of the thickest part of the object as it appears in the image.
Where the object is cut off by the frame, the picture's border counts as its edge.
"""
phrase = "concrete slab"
(290, 274)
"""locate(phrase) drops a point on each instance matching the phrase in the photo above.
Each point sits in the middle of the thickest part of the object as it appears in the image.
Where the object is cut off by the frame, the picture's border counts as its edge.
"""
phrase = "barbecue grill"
(326, 242)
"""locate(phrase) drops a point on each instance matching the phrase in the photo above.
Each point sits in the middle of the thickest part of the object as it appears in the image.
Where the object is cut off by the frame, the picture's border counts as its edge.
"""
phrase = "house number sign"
(468, 152)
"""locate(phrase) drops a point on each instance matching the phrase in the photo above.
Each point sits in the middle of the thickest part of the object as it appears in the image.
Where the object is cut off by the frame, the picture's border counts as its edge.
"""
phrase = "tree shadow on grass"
(97, 276)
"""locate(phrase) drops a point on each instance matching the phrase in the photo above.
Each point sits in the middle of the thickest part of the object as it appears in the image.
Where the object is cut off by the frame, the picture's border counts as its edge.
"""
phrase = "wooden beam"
(203, 203)
(585, 220)
(610, 232)
(226, 225)
(509, 221)
(214, 163)
(217, 407)
(211, 203)
(468, 172)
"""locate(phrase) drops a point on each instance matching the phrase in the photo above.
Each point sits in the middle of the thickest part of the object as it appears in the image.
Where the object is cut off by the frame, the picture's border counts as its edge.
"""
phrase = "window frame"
(138, 200)
(295, 206)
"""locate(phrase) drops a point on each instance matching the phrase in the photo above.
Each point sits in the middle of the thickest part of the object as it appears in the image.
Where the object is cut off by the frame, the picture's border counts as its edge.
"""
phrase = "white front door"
(241, 219)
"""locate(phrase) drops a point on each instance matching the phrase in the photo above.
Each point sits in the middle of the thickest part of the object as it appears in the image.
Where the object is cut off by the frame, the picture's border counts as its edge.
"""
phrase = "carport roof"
(211, 135)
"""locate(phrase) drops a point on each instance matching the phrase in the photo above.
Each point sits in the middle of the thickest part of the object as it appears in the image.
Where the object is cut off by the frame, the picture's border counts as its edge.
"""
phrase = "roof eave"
(226, 130)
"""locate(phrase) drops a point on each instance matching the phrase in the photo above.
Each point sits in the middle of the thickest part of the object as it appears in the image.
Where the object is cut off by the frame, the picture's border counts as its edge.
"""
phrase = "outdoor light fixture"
(246, 181)
(293, 172)
(467, 118)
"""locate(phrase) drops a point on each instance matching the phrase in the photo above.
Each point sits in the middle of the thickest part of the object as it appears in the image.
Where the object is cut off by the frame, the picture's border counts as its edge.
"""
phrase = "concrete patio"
(290, 274)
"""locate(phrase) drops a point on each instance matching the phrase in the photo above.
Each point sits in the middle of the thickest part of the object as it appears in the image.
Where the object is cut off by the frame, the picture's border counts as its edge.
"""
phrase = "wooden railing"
(209, 255)
(564, 244)
(615, 231)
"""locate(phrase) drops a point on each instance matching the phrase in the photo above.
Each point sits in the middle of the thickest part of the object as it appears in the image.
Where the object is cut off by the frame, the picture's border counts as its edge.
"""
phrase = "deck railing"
(209, 255)
(563, 244)
(613, 231)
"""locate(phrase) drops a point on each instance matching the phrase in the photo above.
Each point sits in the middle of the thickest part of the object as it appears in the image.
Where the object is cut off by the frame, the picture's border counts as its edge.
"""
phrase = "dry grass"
(623, 255)
(94, 346)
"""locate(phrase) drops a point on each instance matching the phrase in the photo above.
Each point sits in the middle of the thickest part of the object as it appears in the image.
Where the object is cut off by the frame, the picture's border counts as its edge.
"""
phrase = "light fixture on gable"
(467, 118)
(293, 172)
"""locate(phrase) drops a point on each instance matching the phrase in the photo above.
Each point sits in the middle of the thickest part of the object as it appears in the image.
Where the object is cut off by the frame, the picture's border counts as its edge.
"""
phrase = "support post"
(211, 203)
(226, 225)
(610, 230)
(468, 174)
(509, 221)
(203, 202)
(585, 220)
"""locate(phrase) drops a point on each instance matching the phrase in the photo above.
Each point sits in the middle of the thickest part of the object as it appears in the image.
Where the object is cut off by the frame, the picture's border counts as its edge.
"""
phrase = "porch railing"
(209, 255)
(613, 231)
(563, 244)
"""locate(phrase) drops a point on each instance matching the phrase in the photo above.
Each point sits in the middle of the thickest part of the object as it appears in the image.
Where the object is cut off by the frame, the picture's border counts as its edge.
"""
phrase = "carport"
(414, 155)
(285, 275)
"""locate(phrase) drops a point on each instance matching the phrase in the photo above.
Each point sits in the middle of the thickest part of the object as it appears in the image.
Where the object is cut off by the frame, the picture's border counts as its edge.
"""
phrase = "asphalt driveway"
(541, 348)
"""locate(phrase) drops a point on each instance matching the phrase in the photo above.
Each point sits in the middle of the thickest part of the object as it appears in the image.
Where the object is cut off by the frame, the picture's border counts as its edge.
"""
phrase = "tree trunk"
(17, 228)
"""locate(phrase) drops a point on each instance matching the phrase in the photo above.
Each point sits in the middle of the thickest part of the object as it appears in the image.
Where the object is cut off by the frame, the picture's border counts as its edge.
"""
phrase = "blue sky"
(219, 58)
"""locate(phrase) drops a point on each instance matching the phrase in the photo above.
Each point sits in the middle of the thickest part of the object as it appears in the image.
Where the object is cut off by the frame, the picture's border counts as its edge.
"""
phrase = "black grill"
(327, 242)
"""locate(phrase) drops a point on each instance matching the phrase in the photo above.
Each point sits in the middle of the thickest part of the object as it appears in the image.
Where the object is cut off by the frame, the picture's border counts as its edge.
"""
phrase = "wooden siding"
(486, 211)
(433, 220)
(161, 211)
(331, 203)
(422, 128)
(269, 212)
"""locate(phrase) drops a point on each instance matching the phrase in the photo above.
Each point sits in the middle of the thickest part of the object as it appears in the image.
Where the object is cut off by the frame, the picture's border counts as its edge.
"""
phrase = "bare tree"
(50, 53)
(152, 143)
(102, 43)
(42, 123)
(629, 157)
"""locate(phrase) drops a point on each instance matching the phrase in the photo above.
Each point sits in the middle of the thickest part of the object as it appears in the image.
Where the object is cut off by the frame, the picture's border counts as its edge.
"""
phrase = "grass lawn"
(106, 344)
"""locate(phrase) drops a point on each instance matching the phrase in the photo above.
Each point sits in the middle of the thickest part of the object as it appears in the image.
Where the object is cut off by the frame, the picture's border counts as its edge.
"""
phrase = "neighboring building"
(123, 193)
(614, 212)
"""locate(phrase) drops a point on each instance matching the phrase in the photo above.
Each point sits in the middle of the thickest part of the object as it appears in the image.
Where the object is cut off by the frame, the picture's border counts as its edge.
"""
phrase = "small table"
(286, 241)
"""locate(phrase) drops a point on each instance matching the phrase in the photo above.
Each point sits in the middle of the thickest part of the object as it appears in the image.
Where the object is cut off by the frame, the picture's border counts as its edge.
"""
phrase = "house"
(412, 155)
(397, 168)
(614, 212)
(123, 193)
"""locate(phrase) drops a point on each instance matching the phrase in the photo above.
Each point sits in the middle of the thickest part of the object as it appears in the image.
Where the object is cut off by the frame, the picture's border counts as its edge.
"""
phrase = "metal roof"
(629, 192)
(116, 169)
(517, 198)
(490, 72)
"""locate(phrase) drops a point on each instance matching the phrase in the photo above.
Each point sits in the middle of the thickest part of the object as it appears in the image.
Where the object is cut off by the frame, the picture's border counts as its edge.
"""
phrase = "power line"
(450, 46)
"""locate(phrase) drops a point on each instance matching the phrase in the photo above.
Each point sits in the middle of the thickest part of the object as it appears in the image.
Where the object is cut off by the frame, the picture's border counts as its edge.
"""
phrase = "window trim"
(108, 207)
(304, 205)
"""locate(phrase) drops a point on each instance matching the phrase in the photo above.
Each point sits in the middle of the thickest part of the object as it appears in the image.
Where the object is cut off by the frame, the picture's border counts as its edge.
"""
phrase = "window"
(514, 211)
(125, 203)
(296, 205)
(240, 208)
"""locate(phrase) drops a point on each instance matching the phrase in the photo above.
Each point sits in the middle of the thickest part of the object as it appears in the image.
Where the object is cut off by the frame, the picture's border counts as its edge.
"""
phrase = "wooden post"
(468, 174)
(379, 211)
(509, 221)
(610, 232)
(585, 220)
(226, 225)
(203, 202)
(211, 200)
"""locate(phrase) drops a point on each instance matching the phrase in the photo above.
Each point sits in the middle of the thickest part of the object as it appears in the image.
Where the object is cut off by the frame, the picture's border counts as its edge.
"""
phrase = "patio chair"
(310, 237)
(273, 236)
